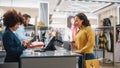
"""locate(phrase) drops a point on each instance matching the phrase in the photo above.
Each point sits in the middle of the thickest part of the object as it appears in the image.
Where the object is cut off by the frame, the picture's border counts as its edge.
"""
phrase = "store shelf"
(30, 27)
(43, 28)
(33, 28)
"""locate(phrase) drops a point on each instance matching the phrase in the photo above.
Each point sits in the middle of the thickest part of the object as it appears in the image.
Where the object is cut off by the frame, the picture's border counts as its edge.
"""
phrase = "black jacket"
(12, 45)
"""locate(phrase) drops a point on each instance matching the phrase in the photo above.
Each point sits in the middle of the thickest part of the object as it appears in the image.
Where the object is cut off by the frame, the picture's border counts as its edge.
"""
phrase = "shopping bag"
(93, 63)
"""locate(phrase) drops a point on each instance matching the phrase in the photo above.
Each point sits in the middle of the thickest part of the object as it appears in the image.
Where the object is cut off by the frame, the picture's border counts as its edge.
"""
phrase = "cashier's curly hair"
(12, 17)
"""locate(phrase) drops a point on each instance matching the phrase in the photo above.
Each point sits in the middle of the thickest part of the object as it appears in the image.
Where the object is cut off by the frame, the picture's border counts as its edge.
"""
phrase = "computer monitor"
(50, 44)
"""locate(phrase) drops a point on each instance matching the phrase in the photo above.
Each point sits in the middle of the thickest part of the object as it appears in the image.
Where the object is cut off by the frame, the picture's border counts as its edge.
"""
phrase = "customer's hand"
(72, 45)
(76, 51)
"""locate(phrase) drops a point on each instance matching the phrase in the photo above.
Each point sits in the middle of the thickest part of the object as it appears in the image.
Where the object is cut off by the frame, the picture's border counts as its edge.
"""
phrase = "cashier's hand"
(25, 43)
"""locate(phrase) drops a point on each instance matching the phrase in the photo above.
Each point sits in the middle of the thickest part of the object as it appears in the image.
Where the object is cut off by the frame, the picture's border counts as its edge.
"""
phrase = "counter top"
(30, 53)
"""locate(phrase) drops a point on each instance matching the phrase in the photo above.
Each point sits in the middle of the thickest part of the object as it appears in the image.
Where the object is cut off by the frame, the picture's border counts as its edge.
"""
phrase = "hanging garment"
(117, 35)
(112, 42)
(102, 40)
(96, 38)
(109, 45)
(106, 22)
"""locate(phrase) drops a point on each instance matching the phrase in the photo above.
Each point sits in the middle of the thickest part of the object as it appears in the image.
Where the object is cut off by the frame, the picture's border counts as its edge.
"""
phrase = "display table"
(59, 58)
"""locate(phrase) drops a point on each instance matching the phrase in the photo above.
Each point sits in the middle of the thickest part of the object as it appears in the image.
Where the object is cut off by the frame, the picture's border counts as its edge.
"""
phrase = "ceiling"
(28, 3)
(86, 6)
(80, 6)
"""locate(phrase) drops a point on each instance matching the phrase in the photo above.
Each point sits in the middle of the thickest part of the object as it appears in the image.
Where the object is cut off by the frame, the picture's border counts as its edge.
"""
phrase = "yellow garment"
(85, 40)
(42, 24)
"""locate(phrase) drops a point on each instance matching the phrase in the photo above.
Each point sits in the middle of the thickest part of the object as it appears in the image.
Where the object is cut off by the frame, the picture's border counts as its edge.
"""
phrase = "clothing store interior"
(59, 33)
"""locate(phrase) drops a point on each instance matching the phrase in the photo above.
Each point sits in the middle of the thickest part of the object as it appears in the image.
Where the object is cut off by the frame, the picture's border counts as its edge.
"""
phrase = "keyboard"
(39, 50)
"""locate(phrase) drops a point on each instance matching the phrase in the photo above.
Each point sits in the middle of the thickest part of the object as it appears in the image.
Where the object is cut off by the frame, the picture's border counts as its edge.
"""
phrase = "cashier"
(11, 43)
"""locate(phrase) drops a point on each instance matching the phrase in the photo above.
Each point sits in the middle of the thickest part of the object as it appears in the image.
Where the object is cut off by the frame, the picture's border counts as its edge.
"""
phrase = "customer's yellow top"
(85, 40)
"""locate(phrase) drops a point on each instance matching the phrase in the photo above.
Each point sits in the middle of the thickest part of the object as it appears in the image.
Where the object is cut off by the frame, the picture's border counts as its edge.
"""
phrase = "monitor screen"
(50, 44)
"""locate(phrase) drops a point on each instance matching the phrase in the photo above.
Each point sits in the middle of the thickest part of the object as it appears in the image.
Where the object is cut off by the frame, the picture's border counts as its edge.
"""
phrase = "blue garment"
(89, 56)
(20, 33)
(12, 45)
(97, 39)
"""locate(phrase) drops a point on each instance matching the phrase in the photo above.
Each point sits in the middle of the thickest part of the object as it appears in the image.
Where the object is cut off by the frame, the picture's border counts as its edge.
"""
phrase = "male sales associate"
(21, 33)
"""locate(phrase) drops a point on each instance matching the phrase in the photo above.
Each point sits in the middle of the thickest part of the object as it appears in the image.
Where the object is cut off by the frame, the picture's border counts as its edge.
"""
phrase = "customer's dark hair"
(83, 17)
(12, 17)
(26, 16)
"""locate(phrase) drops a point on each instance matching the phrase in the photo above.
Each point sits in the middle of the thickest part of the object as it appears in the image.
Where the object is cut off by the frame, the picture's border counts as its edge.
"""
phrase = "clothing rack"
(105, 29)
(114, 28)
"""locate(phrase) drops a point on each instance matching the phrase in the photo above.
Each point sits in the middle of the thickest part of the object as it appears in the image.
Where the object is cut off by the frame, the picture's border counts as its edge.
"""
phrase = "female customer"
(85, 38)
(11, 43)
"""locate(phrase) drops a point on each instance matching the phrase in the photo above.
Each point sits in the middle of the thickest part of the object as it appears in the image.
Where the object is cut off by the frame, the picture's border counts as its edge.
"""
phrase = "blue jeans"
(85, 57)
(89, 56)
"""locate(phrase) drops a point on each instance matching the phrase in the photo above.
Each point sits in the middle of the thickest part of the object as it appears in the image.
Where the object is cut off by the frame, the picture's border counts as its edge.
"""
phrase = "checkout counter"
(59, 58)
